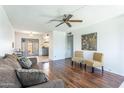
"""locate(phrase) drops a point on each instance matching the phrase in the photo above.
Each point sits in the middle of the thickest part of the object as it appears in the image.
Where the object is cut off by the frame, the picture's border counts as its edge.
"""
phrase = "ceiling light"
(31, 34)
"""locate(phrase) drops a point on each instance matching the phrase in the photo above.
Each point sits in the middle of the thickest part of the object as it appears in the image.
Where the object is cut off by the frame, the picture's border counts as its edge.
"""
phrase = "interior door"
(69, 46)
(35, 47)
(30, 47)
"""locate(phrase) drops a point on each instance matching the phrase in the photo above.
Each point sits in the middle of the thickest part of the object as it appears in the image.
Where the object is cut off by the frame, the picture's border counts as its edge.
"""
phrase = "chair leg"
(85, 67)
(102, 69)
(92, 69)
(72, 63)
(80, 65)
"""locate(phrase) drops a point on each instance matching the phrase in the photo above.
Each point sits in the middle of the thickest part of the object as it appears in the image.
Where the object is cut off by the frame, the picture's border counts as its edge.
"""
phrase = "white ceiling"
(36, 17)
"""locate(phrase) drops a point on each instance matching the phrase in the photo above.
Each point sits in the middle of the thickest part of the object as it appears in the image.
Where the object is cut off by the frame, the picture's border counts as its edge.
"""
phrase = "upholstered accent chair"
(96, 62)
(78, 58)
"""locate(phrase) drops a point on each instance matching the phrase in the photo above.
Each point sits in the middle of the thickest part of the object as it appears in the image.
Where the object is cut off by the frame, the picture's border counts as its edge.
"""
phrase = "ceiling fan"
(67, 20)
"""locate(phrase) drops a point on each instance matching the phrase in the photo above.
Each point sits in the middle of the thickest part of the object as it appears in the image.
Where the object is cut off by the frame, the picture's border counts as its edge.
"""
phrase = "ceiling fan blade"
(68, 17)
(68, 24)
(56, 20)
(75, 20)
(59, 24)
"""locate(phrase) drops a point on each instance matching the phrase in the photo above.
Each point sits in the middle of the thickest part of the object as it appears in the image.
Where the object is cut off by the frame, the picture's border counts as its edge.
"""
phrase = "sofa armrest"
(33, 60)
(50, 84)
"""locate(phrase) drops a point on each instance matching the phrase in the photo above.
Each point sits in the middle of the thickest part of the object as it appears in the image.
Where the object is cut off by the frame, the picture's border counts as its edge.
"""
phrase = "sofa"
(9, 79)
(122, 85)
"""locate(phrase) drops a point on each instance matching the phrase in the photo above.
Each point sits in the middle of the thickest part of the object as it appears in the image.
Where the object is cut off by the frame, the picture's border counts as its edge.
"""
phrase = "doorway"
(69, 53)
(30, 47)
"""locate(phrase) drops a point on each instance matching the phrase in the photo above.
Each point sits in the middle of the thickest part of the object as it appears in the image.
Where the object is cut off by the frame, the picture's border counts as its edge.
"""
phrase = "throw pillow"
(30, 77)
(25, 62)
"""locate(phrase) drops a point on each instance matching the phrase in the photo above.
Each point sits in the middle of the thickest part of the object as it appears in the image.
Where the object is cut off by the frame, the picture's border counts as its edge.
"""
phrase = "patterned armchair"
(78, 57)
(96, 62)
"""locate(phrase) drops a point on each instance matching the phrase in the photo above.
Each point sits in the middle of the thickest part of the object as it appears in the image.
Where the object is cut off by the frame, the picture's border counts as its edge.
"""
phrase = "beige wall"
(57, 45)
(6, 33)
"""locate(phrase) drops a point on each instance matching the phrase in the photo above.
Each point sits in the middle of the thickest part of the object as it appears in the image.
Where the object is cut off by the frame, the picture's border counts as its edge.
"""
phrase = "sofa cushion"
(25, 62)
(8, 78)
(10, 62)
(12, 56)
(122, 85)
(29, 77)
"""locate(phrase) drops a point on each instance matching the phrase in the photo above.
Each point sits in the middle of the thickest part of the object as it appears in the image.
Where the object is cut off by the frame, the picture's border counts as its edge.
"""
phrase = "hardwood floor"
(43, 59)
(76, 77)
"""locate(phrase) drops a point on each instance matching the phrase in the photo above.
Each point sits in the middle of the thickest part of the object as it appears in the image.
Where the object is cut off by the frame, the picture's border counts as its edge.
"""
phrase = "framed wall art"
(89, 41)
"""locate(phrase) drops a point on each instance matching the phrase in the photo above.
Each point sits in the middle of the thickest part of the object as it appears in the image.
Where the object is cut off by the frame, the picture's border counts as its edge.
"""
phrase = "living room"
(15, 26)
